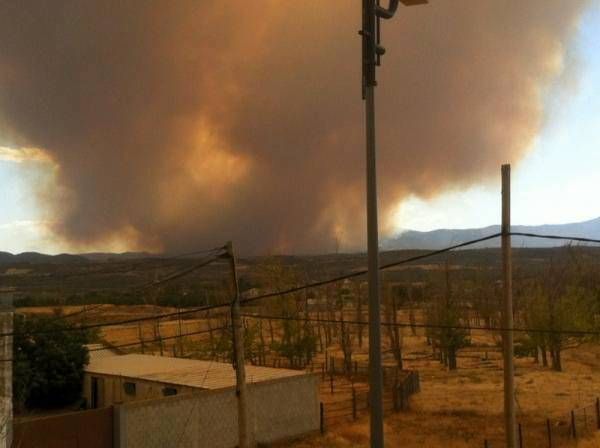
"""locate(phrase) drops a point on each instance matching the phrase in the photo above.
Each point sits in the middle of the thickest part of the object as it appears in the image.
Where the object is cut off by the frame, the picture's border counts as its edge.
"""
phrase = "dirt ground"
(463, 408)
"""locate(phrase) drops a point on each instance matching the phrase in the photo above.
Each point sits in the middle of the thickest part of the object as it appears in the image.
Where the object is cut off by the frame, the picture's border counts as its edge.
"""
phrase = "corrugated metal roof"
(184, 372)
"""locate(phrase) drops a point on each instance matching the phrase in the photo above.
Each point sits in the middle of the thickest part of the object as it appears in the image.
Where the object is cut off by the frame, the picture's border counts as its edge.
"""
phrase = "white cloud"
(25, 224)
(20, 155)
(27, 235)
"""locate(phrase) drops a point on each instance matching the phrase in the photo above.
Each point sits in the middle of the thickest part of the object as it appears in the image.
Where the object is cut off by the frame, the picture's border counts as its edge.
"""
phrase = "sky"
(556, 182)
(559, 180)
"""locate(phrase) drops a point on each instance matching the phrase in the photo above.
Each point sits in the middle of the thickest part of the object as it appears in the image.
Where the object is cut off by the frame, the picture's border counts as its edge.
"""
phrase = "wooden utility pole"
(238, 348)
(507, 316)
(6, 380)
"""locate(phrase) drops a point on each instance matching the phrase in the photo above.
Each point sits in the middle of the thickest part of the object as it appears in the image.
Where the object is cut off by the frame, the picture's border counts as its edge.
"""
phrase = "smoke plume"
(180, 124)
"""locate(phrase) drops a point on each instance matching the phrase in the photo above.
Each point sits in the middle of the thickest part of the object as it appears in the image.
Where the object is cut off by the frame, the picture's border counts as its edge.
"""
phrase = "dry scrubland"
(454, 409)
(464, 407)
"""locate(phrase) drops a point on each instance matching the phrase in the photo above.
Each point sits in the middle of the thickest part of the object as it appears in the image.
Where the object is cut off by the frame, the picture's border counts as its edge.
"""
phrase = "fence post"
(520, 436)
(573, 428)
(331, 383)
(402, 398)
(353, 403)
(598, 413)
(322, 417)
(395, 398)
(549, 430)
(244, 436)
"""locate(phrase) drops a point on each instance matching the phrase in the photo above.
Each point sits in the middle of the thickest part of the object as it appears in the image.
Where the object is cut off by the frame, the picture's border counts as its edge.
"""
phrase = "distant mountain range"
(437, 239)
(409, 239)
(37, 258)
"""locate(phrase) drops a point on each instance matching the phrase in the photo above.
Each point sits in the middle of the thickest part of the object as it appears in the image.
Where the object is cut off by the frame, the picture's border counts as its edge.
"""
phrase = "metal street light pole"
(371, 54)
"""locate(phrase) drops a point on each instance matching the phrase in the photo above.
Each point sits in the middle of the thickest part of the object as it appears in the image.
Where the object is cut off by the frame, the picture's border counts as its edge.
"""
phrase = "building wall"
(285, 408)
(111, 389)
(278, 409)
(6, 379)
(89, 429)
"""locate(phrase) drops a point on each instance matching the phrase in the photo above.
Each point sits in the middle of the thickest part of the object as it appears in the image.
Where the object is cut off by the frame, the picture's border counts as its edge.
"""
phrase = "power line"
(364, 271)
(281, 293)
(555, 237)
(76, 313)
(435, 326)
(116, 323)
(179, 274)
(123, 322)
(190, 254)
(168, 278)
(410, 260)
(157, 339)
(143, 287)
(336, 279)
(315, 284)
(135, 267)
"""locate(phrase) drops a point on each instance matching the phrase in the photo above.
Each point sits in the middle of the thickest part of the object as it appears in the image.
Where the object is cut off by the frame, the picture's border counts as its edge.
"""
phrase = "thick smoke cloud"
(179, 124)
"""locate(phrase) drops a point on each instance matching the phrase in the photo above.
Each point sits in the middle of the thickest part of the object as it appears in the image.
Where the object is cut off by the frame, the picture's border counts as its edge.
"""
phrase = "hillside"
(436, 239)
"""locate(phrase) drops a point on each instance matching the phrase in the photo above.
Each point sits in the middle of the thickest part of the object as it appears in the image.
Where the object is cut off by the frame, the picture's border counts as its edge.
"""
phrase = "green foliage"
(563, 298)
(298, 343)
(444, 320)
(48, 367)
(448, 321)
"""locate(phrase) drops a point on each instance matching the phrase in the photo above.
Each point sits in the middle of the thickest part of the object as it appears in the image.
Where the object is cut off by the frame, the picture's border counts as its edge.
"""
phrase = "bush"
(48, 362)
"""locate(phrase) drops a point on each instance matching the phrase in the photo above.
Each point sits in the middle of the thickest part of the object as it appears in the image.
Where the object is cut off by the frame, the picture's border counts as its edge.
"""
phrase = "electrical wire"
(555, 237)
(318, 283)
(157, 339)
(435, 326)
(217, 251)
(77, 313)
(364, 271)
(117, 323)
(178, 274)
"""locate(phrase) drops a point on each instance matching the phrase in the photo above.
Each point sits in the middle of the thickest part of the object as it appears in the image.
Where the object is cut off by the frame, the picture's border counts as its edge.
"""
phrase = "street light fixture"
(391, 10)
(371, 58)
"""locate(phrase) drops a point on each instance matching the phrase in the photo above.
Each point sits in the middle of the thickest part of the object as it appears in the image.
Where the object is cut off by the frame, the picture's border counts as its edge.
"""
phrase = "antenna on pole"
(372, 50)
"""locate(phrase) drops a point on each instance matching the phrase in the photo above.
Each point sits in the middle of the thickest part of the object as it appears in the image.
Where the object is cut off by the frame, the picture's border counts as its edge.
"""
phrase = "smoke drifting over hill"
(178, 124)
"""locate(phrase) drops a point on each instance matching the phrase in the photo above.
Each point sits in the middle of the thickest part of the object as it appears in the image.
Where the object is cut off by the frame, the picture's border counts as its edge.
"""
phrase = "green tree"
(447, 324)
(49, 358)
(560, 299)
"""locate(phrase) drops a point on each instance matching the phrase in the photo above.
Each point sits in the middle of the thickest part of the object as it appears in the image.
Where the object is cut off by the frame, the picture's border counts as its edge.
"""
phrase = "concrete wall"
(285, 408)
(279, 409)
(111, 389)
